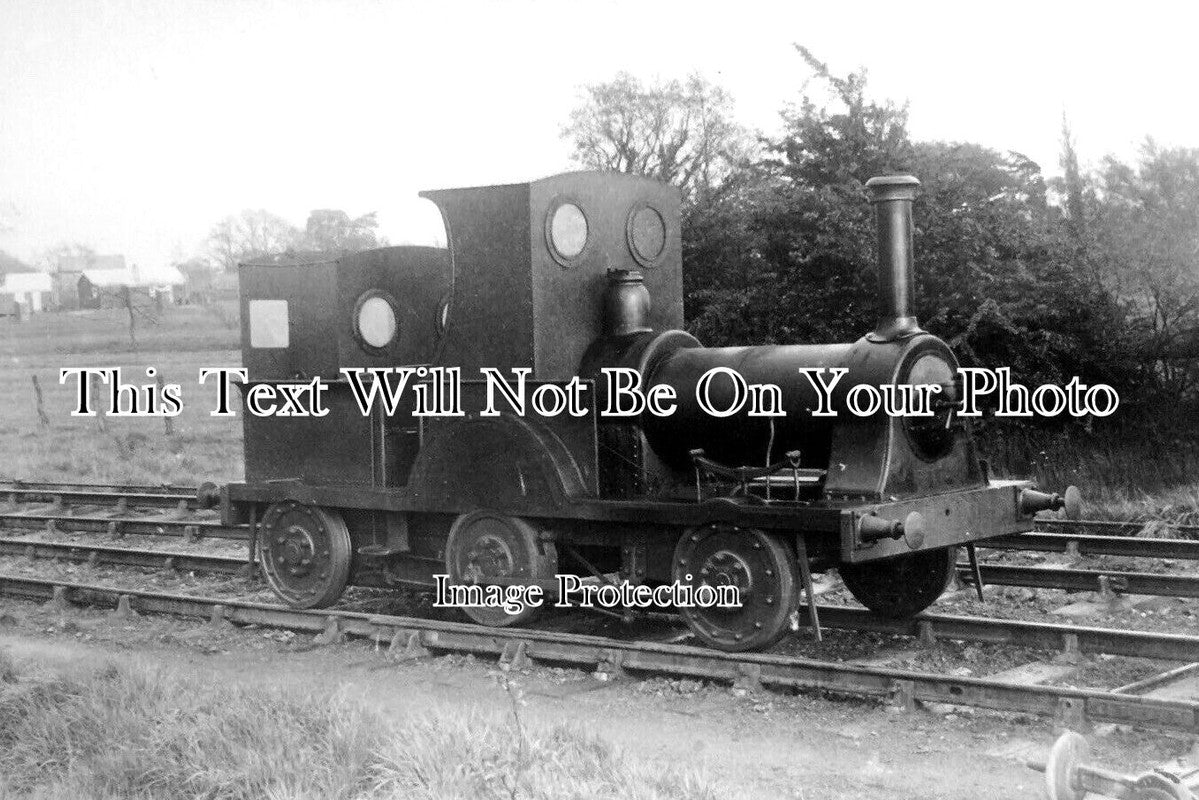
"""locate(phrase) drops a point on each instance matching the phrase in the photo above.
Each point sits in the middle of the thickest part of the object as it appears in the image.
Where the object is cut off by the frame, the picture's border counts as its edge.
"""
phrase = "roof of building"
(164, 276)
(108, 278)
(89, 263)
(195, 268)
(13, 282)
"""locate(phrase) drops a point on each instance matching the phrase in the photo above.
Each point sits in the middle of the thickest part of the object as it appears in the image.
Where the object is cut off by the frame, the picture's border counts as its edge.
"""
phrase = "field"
(113, 449)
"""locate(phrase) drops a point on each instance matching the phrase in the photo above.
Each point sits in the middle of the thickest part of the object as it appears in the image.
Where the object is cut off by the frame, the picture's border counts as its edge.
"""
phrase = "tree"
(50, 259)
(1146, 236)
(251, 234)
(999, 281)
(1073, 187)
(803, 268)
(680, 132)
(331, 230)
(10, 263)
(792, 259)
(8, 217)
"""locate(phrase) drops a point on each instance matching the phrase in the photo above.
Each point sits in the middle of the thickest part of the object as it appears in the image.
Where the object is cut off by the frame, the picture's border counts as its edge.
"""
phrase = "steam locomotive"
(565, 278)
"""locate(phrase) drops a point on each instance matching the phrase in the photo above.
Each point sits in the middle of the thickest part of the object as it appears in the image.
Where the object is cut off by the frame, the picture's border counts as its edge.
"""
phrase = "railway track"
(1069, 639)
(114, 510)
(1081, 544)
(1062, 536)
(1111, 526)
(155, 525)
(1084, 580)
(171, 511)
(1064, 578)
(109, 488)
(407, 637)
(122, 556)
(65, 494)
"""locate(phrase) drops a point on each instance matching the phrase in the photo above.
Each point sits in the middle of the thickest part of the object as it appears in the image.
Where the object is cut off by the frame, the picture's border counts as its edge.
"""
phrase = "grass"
(1133, 472)
(124, 450)
(106, 331)
(122, 732)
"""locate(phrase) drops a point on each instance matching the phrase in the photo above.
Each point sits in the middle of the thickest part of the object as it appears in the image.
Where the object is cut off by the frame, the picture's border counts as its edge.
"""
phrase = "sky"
(133, 127)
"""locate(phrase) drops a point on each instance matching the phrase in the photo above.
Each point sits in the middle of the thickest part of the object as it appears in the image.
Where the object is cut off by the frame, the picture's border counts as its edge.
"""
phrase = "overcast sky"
(134, 126)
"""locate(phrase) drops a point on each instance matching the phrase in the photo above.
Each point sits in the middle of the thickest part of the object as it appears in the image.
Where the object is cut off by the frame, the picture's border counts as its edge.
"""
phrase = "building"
(25, 293)
(102, 288)
(105, 288)
(205, 283)
(69, 271)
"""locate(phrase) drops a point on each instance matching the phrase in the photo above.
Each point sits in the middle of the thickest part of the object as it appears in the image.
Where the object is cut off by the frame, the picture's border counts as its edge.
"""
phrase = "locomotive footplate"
(867, 531)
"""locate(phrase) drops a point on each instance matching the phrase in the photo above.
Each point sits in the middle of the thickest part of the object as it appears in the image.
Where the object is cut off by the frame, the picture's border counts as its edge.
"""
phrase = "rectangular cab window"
(268, 323)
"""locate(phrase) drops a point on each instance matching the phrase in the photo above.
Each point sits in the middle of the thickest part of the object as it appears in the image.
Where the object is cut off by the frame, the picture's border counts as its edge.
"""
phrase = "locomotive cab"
(560, 282)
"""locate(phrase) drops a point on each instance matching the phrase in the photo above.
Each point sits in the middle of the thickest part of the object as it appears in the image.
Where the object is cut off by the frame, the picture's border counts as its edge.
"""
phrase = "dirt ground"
(769, 745)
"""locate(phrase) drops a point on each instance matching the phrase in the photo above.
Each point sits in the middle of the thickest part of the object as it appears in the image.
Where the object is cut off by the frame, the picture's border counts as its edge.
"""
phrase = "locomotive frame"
(565, 276)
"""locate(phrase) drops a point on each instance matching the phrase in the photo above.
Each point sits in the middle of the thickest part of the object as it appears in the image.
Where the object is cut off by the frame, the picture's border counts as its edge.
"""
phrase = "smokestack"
(892, 196)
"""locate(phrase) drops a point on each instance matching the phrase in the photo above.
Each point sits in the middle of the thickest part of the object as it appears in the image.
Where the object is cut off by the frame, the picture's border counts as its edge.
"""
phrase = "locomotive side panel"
(304, 320)
(397, 289)
(489, 317)
(343, 448)
(523, 462)
(623, 222)
(285, 320)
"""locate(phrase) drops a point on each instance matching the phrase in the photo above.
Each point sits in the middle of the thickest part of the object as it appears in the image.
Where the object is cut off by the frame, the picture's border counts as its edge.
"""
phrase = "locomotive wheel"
(485, 544)
(901, 586)
(305, 554)
(763, 569)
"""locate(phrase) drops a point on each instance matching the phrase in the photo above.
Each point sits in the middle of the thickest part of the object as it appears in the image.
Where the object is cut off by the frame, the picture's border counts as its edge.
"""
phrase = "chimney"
(892, 196)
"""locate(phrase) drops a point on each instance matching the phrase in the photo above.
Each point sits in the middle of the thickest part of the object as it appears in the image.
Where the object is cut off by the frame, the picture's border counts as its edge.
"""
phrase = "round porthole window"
(375, 320)
(566, 230)
(646, 234)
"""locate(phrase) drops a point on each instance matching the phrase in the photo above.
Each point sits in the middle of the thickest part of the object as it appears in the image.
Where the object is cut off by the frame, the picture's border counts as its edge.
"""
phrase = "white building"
(29, 292)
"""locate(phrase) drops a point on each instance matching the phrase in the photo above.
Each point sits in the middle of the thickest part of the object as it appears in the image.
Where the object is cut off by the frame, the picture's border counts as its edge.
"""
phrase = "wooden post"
(94, 391)
(168, 423)
(41, 407)
(127, 296)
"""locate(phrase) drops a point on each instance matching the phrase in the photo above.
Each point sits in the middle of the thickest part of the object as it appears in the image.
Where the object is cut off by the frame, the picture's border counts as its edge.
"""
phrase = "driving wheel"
(486, 544)
(305, 554)
(763, 569)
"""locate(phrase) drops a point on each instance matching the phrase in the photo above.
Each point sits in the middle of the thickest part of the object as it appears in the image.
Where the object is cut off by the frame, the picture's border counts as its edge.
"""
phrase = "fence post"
(41, 406)
(94, 392)
(168, 423)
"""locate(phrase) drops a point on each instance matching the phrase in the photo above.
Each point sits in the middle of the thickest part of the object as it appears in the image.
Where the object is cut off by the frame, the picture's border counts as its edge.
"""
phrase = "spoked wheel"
(305, 554)
(485, 544)
(761, 566)
(901, 586)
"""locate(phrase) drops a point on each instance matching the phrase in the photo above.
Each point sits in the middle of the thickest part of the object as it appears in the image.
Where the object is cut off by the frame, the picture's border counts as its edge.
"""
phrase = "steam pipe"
(892, 196)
